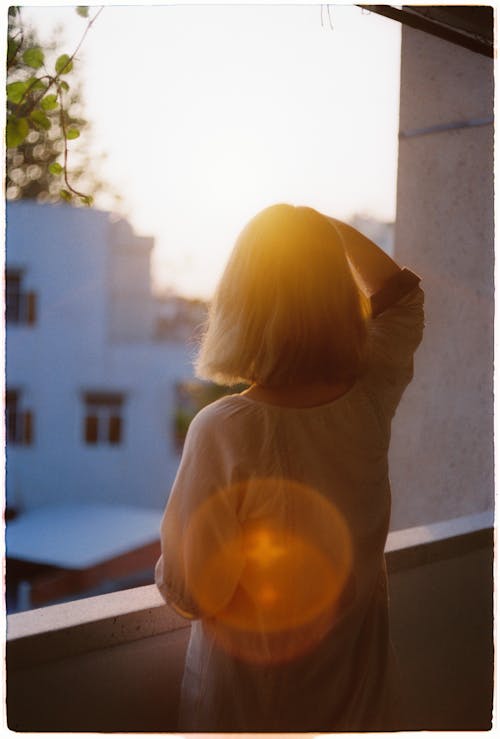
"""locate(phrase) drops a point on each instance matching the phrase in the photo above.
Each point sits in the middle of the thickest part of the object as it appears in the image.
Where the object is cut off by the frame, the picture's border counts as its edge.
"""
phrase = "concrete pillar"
(442, 449)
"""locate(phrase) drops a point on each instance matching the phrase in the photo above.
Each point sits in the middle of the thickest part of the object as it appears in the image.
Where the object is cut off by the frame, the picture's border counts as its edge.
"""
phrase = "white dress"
(273, 542)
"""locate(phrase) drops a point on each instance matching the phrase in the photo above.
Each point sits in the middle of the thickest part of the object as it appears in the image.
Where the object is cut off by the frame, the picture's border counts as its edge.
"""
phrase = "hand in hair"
(371, 266)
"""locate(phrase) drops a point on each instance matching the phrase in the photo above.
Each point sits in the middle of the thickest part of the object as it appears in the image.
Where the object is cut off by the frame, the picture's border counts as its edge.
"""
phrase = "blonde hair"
(287, 309)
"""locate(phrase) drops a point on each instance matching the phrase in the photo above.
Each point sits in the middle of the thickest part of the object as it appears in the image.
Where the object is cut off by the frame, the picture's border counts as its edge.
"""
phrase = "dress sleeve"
(394, 333)
(201, 548)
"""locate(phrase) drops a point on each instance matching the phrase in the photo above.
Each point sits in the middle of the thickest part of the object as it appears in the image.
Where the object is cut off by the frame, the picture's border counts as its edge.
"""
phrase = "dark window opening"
(103, 422)
(20, 305)
(18, 421)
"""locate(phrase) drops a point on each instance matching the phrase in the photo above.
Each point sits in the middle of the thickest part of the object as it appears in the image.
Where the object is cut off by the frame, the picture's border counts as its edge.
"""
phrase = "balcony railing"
(114, 662)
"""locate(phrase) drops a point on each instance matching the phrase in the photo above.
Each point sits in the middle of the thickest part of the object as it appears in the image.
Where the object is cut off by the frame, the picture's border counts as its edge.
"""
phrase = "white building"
(90, 394)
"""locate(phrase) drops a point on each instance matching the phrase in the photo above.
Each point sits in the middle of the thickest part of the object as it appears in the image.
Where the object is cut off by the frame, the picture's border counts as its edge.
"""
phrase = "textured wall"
(442, 453)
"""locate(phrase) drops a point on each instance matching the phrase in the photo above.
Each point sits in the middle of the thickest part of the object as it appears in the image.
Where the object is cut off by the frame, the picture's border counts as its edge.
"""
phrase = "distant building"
(179, 318)
(90, 390)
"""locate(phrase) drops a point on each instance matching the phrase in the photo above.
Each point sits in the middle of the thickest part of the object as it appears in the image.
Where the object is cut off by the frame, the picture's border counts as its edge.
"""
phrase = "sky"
(209, 113)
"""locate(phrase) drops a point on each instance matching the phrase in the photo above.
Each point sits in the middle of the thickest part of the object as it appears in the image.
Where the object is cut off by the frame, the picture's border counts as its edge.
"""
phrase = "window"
(103, 418)
(18, 422)
(20, 306)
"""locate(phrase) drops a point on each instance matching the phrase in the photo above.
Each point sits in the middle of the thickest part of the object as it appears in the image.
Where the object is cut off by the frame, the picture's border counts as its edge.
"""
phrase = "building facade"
(90, 392)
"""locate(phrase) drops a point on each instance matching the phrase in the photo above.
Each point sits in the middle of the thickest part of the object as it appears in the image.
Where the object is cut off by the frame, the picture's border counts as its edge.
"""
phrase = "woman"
(273, 536)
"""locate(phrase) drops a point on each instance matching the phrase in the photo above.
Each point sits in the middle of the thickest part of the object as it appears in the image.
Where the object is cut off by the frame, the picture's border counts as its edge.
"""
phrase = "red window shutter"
(27, 428)
(115, 430)
(12, 421)
(31, 307)
(91, 427)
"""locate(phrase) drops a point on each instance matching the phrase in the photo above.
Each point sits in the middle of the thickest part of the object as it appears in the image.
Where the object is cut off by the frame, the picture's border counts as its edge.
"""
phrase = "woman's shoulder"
(225, 426)
(228, 410)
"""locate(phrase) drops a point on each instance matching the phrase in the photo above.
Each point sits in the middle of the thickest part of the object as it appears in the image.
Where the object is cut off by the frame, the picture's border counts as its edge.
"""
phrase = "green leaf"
(72, 133)
(16, 91)
(87, 200)
(55, 168)
(40, 120)
(83, 11)
(64, 85)
(17, 129)
(35, 84)
(64, 65)
(34, 57)
(66, 195)
(49, 102)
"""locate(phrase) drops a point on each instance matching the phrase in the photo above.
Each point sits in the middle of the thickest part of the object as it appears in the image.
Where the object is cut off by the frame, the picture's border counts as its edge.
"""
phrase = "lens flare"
(270, 591)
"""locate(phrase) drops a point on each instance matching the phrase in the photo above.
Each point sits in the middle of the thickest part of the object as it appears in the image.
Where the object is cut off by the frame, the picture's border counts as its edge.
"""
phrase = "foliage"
(182, 420)
(43, 116)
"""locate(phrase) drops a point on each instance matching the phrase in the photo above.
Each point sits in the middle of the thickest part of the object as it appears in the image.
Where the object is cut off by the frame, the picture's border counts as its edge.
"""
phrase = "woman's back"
(275, 535)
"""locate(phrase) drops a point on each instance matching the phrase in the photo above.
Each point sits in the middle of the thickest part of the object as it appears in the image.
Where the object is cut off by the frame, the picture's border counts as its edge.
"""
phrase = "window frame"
(103, 424)
(18, 420)
(20, 304)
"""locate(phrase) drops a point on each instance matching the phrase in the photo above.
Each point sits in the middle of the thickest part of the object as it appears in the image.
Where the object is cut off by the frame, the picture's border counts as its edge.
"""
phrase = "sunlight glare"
(222, 110)
(268, 590)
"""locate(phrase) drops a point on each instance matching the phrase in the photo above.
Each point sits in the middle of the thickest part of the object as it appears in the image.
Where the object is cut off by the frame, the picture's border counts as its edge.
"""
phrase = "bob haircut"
(287, 309)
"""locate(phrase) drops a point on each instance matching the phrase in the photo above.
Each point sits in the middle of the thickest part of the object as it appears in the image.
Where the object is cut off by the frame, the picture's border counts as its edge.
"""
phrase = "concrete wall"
(108, 663)
(442, 448)
(131, 304)
(67, 254)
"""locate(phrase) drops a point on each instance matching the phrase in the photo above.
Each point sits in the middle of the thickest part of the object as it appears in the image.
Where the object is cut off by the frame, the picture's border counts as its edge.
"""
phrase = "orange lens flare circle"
(284, 581)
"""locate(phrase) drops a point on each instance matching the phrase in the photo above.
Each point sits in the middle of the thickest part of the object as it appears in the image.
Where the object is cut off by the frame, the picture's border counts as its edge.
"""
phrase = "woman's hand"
(371, 266)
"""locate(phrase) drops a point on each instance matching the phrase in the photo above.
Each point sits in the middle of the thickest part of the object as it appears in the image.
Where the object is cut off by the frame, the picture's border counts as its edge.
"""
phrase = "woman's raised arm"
(378, 276)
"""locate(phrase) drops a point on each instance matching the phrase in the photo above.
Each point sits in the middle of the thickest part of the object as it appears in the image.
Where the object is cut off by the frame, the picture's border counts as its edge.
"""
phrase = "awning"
(80, 535)
(470, 26)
